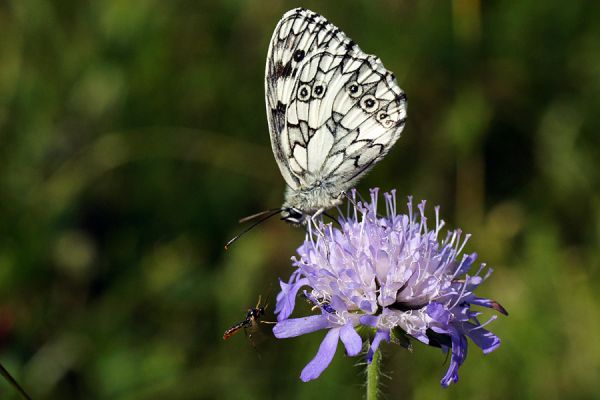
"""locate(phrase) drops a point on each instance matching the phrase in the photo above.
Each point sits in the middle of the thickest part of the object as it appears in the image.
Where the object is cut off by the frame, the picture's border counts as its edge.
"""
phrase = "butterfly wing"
(333, 110)
(298, 34)
(347, 113)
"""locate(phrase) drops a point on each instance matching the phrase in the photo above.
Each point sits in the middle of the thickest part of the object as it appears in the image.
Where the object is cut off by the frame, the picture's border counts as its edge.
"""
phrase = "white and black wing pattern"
(333, 110)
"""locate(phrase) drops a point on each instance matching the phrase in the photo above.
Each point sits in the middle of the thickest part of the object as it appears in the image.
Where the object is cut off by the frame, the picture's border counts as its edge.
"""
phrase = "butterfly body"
(333, 111)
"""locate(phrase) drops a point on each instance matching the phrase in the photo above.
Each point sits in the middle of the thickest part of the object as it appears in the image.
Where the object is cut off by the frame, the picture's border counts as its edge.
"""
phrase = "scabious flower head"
(391, 273)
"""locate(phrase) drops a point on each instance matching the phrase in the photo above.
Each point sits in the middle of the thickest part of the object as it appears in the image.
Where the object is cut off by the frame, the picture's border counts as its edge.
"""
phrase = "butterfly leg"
(350, 199)
(314, 218)
(317, 213)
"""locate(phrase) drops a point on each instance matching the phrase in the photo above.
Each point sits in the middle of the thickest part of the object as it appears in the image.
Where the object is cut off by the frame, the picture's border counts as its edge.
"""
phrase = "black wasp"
(251, 322)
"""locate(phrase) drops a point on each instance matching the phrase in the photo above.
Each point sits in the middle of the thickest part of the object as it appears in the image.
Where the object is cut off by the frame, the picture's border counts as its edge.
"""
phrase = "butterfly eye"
(304, 92)
(369, 103)
(299, 55)
(318, 91)
(354, 89)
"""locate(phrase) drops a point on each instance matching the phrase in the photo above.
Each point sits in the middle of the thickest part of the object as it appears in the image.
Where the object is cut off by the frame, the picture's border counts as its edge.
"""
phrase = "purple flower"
(392, 274)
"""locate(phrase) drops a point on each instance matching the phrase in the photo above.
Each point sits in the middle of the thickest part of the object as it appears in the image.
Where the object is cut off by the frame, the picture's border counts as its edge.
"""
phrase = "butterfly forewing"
(298, 34)
(333, 110)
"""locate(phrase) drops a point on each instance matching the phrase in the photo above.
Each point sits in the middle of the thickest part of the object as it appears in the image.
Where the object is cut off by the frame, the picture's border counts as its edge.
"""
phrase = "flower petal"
(351, 340)
(323, 358)
(483, 338)
(286, 299)
(300, 326)
(459, 353)
(370, 320)
(438, 313)
(489, 304)
(466, 263)
(379, 336)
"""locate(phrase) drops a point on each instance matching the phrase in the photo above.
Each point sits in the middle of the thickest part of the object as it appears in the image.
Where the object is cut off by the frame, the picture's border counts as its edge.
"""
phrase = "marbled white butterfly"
(333, 111)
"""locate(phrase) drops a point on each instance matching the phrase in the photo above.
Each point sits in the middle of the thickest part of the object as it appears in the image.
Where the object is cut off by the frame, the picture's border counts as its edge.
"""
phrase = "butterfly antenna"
(257, 215)
(13, 382)
(261, 220)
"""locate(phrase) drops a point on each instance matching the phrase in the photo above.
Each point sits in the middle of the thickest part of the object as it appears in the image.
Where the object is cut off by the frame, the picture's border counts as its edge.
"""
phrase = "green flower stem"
(373, 376)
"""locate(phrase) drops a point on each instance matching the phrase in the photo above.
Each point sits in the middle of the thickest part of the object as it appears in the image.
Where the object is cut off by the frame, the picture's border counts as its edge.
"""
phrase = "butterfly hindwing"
(333, 110)
(347, 113)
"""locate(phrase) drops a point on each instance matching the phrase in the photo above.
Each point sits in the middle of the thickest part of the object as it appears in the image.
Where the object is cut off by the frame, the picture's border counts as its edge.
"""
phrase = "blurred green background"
(133, 137)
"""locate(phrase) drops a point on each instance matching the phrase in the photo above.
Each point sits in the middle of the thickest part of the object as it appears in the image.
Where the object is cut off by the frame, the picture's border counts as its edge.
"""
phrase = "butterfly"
(333, 112)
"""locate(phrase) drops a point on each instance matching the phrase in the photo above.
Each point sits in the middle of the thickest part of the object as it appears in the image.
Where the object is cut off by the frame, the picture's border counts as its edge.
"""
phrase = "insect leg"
(313, 219)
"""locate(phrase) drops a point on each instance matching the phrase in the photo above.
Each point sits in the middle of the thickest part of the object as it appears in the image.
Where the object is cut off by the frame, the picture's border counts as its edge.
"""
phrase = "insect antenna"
(257, 215)
(264, 307)
(13, 382)
(265, 216)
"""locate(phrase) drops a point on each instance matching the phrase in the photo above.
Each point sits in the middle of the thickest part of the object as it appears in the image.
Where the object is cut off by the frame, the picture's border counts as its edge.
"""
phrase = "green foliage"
(133, 137)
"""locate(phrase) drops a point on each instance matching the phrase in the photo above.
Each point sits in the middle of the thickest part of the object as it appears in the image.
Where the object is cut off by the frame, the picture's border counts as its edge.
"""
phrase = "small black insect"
(251, 322)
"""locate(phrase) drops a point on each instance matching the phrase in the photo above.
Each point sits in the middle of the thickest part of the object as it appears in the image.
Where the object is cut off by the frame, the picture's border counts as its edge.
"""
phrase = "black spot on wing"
(360, 168)
(282, 70)
(281, 107)
(279, 116)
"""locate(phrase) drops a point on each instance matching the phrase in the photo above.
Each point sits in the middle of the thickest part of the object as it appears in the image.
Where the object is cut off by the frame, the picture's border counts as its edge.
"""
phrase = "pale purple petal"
(379, 336)
(489, 304)
(483, 338)
(466, 263)
(459, 353)
(351, 340)
(369, 320)
(438, 313)
(286, 299)
(323, 358)
(300, 326)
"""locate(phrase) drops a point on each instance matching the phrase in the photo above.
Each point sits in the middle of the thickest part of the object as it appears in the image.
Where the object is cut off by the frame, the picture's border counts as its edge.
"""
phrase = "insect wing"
(352, 116)
(299, 34)
(333, 110)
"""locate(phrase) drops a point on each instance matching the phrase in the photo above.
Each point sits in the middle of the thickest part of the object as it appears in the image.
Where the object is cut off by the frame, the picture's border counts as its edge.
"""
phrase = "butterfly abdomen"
(314, 198)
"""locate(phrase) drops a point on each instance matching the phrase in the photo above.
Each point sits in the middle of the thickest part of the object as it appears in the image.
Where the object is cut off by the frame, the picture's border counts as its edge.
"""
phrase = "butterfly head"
(293, 215)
